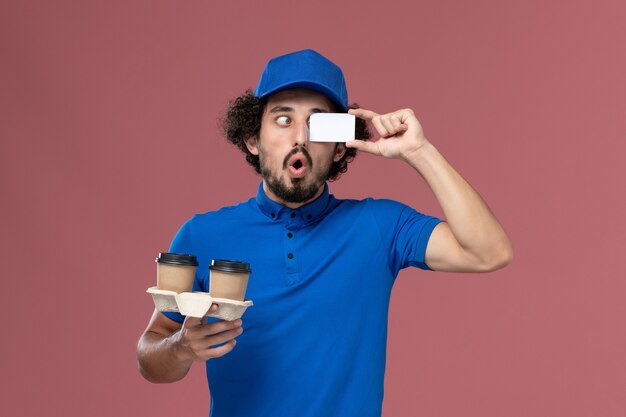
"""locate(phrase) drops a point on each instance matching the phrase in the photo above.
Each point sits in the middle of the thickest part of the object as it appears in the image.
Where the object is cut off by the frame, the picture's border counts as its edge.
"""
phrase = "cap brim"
(310, 85)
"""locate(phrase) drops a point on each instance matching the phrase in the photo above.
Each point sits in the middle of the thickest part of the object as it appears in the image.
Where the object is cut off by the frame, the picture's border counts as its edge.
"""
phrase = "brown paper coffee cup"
(228, 279)
(176, 272)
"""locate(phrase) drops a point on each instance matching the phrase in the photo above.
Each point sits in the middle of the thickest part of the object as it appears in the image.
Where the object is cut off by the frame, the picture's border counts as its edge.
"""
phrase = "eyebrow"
(286, 109)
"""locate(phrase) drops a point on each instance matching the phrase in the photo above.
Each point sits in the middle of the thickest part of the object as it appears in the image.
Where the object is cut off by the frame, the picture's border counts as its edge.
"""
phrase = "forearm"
(472, 240)
(160, 358)
(471, 221)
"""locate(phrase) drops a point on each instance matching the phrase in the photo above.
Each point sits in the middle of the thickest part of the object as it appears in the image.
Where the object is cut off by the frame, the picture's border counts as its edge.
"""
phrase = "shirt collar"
(307, 213)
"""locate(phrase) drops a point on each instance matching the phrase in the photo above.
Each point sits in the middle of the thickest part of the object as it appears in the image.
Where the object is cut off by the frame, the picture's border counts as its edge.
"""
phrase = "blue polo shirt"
(314, 343)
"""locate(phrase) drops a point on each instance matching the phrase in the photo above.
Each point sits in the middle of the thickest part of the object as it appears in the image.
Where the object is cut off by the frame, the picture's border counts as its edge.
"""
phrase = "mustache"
(298, 149)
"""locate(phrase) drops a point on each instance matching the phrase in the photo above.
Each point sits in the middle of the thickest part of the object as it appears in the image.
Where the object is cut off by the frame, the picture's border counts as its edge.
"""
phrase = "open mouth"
(298, 162)
(297, 165)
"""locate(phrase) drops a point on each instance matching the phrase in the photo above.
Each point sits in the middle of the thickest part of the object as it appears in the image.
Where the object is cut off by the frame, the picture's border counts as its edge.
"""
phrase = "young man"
(322, 268)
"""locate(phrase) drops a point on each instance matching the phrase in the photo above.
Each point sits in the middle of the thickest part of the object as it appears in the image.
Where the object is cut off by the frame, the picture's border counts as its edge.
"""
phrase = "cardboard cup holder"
(230, 309)
(164, 300)
(196, 304)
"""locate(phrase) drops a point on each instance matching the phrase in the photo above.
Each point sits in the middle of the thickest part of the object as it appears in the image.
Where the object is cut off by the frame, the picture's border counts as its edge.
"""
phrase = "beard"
(298, 192)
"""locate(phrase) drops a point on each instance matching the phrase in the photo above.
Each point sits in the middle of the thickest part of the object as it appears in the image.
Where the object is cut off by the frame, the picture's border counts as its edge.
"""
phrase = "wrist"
(421, 156)
(181, 352)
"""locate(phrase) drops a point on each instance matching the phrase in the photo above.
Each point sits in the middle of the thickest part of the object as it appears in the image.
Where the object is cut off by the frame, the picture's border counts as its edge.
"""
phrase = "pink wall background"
(109, 142)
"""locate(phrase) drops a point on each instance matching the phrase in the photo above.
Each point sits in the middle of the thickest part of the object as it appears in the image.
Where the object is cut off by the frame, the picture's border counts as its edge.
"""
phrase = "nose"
(302, 133)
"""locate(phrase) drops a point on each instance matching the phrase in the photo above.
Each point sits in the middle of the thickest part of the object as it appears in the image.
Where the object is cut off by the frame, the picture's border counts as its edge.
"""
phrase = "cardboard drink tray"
(196, 304)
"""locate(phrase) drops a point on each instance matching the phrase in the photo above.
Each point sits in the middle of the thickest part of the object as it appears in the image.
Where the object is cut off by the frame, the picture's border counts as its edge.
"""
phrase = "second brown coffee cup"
(228, 279)
(176, 271)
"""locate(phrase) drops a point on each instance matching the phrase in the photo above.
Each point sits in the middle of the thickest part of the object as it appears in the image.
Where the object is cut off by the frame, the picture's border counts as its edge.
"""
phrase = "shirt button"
(293, 215)
(308, 217)
(273, 215)
(290, 255)
(289, 235)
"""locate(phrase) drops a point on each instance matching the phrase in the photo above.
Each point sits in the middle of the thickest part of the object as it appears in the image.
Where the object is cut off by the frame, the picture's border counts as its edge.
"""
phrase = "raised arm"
(471, 239)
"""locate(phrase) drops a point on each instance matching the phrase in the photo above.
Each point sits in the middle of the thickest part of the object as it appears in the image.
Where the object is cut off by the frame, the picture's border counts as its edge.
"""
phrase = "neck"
(289, 204)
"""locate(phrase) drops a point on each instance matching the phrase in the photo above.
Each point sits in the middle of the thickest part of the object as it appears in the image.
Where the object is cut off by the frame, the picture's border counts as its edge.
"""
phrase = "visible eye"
(283, 120)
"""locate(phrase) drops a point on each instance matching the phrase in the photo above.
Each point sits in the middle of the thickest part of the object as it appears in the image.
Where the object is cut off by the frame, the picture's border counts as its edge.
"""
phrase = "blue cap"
(304, 69)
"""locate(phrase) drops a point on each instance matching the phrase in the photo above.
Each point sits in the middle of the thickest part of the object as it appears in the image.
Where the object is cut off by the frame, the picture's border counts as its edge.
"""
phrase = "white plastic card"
(331, 127)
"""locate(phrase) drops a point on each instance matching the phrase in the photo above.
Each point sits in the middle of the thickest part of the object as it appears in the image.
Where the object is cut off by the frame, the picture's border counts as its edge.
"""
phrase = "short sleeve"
(404, 231)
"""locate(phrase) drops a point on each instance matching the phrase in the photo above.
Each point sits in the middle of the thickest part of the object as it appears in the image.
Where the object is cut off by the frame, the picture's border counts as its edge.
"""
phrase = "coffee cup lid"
(177, 259)
(230, 266)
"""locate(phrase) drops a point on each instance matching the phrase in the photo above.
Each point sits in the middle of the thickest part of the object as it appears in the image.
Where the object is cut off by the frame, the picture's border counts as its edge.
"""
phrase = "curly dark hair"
(242, 120)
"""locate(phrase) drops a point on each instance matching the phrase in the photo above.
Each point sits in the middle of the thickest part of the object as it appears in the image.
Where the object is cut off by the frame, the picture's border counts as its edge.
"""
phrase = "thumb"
(191, 322)
(214, 307)
(365, 146)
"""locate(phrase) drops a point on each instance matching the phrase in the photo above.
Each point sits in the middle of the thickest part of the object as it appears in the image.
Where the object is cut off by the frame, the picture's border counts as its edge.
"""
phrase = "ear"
(252, 145)
(340, 151)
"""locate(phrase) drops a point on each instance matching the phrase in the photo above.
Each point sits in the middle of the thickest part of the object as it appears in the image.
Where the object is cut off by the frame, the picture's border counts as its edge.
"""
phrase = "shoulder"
(201, 220)
(389, 215)
(383, 212)
(376, 205)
